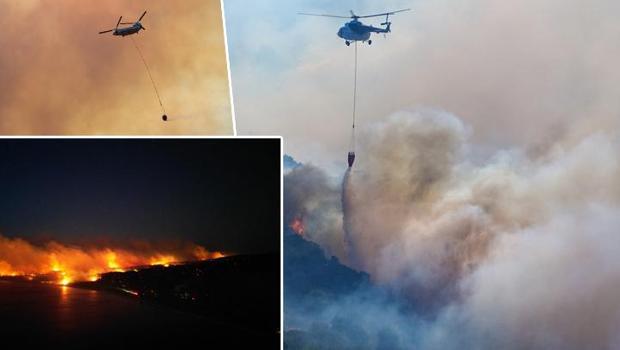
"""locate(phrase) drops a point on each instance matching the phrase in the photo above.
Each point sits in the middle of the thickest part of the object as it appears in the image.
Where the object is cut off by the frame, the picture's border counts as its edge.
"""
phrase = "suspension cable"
(149, 73)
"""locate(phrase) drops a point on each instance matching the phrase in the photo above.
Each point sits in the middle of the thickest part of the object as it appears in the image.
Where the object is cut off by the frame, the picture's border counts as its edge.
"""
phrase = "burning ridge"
(63, 264)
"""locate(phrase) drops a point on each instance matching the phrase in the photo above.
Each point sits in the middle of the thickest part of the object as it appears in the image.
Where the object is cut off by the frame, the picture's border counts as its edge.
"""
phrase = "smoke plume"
(518, 250)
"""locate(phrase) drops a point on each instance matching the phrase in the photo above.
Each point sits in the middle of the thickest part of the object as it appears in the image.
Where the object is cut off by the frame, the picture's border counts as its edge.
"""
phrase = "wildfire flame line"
(63, 264)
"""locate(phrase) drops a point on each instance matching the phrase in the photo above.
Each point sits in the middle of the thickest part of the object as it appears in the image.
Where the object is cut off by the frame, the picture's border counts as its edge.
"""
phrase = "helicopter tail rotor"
(387, 22)
(388, 28)
(115, 28)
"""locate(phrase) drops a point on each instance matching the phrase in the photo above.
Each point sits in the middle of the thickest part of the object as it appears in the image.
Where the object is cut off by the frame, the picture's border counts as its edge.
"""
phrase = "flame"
(202, 254)
(55, 265)
(297, 225)
(64, 264)
(65, 281)
(111, 260)
(217, 255)
(163, 260)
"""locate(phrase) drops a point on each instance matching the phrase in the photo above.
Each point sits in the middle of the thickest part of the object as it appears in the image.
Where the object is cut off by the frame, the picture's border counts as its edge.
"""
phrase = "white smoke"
(519, 250)
(552, 286)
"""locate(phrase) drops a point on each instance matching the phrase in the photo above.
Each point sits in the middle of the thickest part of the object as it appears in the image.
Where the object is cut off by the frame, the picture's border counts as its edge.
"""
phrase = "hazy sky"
(222, 194)
(485, 190)
(523, 74)
(59, 76)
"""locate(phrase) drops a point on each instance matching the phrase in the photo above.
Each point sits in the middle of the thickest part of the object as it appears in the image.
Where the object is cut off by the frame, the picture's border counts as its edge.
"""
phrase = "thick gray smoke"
(310, 196)
(519, 250)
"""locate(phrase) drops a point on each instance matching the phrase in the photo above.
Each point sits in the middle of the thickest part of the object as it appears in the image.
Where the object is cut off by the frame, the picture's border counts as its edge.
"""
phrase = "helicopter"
(355, 30)
(133, 29)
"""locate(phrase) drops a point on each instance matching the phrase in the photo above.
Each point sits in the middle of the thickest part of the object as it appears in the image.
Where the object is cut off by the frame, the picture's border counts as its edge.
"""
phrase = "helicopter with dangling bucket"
(355, 30)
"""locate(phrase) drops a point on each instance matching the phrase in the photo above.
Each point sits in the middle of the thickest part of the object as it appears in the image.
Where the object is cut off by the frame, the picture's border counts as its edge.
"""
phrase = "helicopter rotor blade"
(119, 21)
(139, 19)
(321, 15)
(106, 31)
(384, 14)
(127, 23)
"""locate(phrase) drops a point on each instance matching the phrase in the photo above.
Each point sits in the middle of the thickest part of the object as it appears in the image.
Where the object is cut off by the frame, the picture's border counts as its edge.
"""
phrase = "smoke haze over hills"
(487, 253)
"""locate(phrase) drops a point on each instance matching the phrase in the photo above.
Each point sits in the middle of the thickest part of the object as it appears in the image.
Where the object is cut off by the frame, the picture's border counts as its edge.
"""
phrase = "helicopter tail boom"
(387, 29)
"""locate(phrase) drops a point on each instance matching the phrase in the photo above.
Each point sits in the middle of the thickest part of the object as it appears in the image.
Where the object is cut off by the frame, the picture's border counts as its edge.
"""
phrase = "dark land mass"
(312, 281)
(232, 301)
(289, 162)
(307, 271)
(316, 286)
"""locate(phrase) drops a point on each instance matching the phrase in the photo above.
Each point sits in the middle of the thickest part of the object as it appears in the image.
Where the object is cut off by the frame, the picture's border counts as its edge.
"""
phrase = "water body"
(35, 315)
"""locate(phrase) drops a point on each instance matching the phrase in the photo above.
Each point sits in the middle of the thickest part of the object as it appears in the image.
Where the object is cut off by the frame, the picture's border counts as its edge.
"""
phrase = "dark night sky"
(223, 194)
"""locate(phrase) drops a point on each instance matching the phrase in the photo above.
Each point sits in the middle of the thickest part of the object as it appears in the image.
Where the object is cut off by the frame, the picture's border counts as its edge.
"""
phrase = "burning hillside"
(64, 264)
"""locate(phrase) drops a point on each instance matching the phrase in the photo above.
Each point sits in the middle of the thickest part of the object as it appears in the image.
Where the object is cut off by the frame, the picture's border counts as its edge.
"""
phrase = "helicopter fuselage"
(135, 28)
(357, 31)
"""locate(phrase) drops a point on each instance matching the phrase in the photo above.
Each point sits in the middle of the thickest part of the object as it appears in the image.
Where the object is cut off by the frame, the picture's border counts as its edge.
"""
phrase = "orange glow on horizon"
(202, 254)
(63, 265)
(163, 261)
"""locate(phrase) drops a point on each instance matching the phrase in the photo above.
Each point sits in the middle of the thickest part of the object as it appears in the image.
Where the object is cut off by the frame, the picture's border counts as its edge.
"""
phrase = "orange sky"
(59, 76)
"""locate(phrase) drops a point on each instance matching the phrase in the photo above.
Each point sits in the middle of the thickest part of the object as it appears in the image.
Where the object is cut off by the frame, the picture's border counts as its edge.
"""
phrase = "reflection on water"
(72, 305)
(64, 309)
(50, 314)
